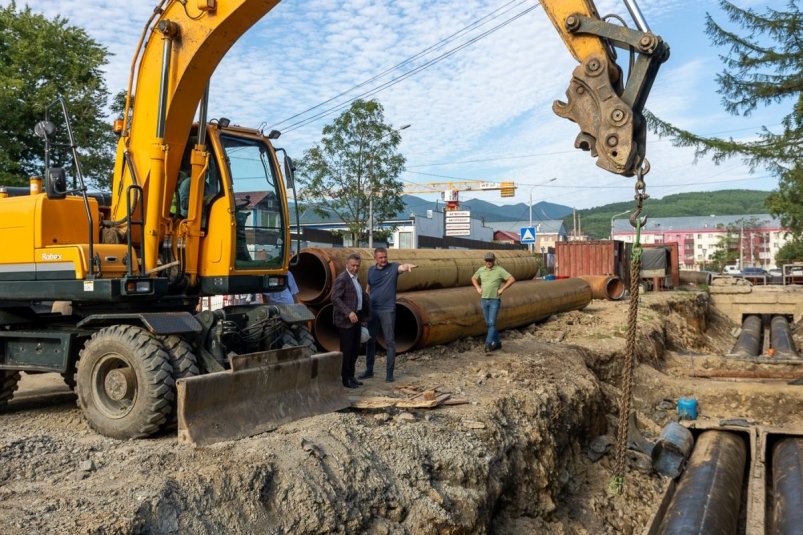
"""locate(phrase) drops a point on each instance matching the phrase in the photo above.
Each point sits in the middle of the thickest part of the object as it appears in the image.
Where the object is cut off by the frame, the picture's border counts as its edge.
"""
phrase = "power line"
(477, 23)
(408, 74)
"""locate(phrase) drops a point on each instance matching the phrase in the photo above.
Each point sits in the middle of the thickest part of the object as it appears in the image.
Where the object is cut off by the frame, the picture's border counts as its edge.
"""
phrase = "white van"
(732, 270)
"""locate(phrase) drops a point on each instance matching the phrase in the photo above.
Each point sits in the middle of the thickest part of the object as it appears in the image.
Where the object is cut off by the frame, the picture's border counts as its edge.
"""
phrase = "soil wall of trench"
(511, 460)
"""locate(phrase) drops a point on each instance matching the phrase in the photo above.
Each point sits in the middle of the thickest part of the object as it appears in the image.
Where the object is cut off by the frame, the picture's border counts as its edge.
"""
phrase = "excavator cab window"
(258, 203)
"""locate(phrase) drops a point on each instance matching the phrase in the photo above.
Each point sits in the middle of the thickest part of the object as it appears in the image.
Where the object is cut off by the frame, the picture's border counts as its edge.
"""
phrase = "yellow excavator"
(124, 274)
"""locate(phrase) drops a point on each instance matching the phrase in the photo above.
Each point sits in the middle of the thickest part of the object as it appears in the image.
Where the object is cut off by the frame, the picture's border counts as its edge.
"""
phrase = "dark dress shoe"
(355, 383)
(389, 379)
(349, 384)
(365, 375)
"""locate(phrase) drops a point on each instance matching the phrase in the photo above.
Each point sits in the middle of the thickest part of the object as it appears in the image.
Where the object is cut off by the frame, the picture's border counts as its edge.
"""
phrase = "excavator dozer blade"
(258, 393)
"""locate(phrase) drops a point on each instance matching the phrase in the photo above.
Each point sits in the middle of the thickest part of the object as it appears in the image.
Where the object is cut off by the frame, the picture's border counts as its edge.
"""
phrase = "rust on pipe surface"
(318, 267)
(440, 316)
(324, 330)
(688, 276)
(709, 493)
(605, 286)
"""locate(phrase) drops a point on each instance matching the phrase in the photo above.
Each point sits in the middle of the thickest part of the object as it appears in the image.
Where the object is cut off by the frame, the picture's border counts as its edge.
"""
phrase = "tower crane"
(450, 190)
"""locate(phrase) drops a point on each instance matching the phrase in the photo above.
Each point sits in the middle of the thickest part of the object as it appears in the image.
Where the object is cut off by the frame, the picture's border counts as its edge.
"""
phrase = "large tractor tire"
(184, 364)
(299, 336)
(8, 385)
(125, 382)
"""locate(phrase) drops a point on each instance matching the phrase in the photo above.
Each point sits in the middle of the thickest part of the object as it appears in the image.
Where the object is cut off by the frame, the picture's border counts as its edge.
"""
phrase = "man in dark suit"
(351, 308)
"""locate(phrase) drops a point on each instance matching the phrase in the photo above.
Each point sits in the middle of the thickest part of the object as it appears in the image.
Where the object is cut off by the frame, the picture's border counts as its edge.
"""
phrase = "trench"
(518, 464)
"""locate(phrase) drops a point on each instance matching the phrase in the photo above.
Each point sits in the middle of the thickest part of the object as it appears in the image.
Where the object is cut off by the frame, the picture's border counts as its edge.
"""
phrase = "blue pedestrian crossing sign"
(527, 235)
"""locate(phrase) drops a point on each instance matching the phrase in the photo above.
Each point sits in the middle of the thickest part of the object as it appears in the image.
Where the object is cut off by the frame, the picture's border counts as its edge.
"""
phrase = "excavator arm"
(184, 41)
(607, 108)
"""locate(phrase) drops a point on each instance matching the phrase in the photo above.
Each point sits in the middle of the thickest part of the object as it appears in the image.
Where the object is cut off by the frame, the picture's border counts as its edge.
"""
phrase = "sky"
(483, 111)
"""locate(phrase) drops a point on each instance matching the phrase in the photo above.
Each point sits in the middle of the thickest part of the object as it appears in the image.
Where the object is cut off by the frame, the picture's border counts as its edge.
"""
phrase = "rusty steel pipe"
(709, 493)
(688, 276)
(749, 342)
(781, 338)
(324, 330)
(605, 286)
(318, 267)
(440, 316)
(787, 487)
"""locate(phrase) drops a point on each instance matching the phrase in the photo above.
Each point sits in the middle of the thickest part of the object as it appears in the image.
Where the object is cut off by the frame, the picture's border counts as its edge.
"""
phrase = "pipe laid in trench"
(709, 493)
(435, 317)
(749, 342)
(787, 487)
(605, 286)
(781, 338)
(318, 267)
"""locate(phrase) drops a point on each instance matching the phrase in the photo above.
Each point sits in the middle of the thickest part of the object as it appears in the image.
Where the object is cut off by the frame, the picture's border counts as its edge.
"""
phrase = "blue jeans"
(490, 309)
(386, 320)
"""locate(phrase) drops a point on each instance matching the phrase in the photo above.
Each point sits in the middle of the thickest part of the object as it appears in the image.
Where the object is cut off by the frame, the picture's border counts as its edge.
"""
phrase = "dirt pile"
(513, 459)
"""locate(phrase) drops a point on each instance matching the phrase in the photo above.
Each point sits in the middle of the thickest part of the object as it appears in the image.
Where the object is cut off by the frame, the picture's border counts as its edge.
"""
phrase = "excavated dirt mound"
(513, 459)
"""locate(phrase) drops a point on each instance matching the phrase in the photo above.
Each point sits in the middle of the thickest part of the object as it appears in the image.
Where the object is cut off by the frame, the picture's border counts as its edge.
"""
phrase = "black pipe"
(787, 487)
(781, 338)
(709, 493)
(749, 342)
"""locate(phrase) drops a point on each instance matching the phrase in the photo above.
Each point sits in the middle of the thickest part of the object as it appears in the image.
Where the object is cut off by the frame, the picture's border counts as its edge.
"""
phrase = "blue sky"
(482, 113)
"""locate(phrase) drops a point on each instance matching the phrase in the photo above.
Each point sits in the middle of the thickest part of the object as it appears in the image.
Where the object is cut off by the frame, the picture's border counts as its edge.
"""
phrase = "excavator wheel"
(125, 382)
(299, 336)
(8, 384)
(184, 364)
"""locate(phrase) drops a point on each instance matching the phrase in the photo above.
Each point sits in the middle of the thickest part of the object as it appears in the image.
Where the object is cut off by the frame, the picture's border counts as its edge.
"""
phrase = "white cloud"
(490, 100)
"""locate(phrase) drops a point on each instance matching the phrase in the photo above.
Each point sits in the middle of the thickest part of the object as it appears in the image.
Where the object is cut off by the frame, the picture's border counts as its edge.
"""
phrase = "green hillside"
(597, 221)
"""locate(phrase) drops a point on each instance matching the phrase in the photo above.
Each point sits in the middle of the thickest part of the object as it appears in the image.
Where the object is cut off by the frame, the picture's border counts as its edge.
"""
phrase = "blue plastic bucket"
(687, 408)
(549, 277)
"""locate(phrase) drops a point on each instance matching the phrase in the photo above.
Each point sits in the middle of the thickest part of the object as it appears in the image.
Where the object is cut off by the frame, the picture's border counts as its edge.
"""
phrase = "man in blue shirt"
(382, 280)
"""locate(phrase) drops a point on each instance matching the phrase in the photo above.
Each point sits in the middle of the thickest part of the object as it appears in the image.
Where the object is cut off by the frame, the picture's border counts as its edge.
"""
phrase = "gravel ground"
(512, 460)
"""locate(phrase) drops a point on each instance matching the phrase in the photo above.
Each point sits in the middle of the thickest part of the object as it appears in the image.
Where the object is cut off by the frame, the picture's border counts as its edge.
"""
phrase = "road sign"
(458, 233)
(527, 235)
(458, 226)
(458, 213)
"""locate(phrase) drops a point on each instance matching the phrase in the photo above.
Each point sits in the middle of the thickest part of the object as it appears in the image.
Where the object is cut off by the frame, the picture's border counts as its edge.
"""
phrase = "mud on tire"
(299, 336)
(184, 364)
(8, 385)
(125, 383)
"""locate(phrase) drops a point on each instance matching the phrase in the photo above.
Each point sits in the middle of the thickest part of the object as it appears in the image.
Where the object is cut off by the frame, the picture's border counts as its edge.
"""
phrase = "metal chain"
(617, 483)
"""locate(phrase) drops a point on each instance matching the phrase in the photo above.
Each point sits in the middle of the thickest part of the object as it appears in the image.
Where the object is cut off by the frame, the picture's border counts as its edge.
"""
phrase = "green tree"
(763, 66)
(43, 59)
(791, 251)
(356, 160)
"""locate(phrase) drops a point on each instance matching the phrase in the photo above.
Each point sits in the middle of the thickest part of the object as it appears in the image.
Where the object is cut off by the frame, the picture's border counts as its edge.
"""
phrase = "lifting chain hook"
(641, 196)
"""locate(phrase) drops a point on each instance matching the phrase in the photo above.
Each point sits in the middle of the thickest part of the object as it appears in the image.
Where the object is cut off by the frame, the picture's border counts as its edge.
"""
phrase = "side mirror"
(55, 183)
(289, 172)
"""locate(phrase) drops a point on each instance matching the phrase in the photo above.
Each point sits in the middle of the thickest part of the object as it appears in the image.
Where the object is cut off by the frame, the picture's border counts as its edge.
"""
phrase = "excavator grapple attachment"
(259, 392)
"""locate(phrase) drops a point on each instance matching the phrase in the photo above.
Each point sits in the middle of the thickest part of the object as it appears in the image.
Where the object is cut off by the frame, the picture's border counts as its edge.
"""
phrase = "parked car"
(775, 276)
(731, 270)
(754, 272)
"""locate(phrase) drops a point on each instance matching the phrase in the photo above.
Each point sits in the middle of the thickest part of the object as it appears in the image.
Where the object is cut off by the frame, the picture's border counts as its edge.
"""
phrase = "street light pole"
(371, 194)
(532, 245)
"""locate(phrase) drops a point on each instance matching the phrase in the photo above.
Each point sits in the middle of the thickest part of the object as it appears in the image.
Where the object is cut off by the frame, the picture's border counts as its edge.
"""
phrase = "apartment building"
(756, 237)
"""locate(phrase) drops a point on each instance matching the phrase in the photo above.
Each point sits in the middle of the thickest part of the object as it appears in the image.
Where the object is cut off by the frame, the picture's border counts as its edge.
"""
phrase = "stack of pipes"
(436, 302)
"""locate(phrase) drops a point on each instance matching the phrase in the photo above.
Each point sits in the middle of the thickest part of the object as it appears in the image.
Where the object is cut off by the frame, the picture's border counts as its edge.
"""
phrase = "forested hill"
(597, 221)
